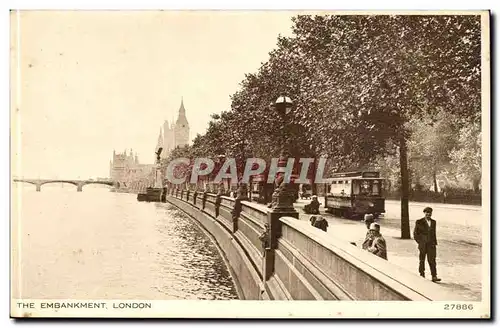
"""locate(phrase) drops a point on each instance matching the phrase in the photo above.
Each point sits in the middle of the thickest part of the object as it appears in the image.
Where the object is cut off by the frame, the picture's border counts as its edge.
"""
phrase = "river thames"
(97, 244)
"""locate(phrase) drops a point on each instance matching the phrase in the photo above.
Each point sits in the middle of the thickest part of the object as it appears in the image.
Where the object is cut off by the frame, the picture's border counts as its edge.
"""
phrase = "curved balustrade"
(272, 256)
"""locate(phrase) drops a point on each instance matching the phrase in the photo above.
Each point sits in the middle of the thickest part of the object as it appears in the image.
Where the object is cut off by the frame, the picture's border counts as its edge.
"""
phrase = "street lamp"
(220, 160)
(284, 105)
(284, 194)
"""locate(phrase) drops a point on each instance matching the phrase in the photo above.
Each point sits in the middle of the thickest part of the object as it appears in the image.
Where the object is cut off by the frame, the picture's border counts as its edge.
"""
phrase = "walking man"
(425, 236)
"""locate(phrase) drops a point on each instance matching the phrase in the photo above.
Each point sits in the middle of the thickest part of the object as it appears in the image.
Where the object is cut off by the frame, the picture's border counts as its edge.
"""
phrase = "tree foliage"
(467, 154)
(363, 87)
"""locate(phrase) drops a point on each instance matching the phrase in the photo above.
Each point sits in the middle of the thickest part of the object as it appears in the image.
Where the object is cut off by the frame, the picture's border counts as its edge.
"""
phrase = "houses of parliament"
(126, 169)
(175, 134)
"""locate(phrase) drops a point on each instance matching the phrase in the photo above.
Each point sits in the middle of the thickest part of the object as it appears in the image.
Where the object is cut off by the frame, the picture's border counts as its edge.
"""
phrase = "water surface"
(97, 244)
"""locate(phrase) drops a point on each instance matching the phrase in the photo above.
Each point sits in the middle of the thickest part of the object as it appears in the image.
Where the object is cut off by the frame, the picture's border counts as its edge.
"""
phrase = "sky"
(85, 83)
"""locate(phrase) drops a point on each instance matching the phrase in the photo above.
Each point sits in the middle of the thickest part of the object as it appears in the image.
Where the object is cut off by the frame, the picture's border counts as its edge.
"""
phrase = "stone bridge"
(293, 260)
(78, 183)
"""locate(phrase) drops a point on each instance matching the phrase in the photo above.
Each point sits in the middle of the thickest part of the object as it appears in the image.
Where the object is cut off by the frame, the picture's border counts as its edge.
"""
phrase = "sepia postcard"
(243, 164)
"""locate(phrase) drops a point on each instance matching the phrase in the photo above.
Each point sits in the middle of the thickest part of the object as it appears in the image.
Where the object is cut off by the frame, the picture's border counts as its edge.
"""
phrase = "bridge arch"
(78, 183)
(74, 183)
(26, 181)
(107, 183)
(34, 183)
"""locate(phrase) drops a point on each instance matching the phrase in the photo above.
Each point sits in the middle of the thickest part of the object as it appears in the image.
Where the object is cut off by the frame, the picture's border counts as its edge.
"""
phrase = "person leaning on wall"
(376, 244)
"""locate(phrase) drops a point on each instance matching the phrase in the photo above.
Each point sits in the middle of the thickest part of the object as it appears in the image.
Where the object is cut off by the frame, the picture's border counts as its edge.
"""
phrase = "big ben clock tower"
(181, 128)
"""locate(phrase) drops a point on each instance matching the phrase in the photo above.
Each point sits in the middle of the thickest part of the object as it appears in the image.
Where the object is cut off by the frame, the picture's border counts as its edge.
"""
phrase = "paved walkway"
(438, 205)
(458, 263)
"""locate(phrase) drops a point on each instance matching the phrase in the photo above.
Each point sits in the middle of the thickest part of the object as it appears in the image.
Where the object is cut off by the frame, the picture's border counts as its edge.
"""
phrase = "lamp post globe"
(283, 105)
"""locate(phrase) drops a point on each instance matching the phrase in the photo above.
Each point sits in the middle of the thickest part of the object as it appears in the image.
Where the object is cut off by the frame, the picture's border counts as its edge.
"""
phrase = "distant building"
(175, 134)
(125, 168)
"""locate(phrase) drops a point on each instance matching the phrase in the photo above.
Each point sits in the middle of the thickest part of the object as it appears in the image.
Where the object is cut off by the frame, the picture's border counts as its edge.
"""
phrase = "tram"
(354, 194)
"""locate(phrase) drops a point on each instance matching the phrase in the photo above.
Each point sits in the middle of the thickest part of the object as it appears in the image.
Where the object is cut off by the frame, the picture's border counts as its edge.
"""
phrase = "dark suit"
(319, 222)
(425, 236)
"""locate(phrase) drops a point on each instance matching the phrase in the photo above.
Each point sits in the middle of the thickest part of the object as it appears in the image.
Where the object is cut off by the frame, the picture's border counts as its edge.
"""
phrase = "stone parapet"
(275, 257)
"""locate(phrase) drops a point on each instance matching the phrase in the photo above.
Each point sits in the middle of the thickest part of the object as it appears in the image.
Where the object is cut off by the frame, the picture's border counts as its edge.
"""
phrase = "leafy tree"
(387, 70)
(467, 155)
(360, 85)
(430, 144)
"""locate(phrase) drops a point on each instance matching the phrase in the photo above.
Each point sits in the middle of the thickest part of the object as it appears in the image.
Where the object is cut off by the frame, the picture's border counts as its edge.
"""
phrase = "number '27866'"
(459, 306)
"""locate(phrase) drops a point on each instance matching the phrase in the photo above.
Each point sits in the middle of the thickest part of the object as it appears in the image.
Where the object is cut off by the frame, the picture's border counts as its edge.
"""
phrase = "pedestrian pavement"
(454, 222)
(458, 264)
(459, 259)
(421, 204)
(439, 205)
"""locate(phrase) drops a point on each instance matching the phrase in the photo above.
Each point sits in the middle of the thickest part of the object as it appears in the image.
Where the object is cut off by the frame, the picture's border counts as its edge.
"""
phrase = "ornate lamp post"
(158, 177)
(284, 194)
(219, 189)
(155, 193)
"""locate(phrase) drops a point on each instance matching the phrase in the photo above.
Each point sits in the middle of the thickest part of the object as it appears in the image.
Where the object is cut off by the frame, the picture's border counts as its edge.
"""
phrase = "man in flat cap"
(425, 236)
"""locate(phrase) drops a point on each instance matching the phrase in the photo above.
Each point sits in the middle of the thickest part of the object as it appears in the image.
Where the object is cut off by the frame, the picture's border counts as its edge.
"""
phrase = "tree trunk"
(405, 189)
(250, 188)
(475, 184)
(435, 181)
(314, 187)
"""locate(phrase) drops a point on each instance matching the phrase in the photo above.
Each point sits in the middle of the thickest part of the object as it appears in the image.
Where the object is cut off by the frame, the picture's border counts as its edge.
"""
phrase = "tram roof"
(356, 174)
(350, 178)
